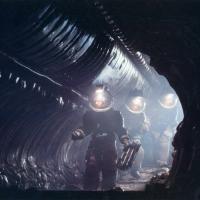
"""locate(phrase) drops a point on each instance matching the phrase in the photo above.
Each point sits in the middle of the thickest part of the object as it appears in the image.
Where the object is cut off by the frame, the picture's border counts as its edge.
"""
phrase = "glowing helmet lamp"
(136, 104)
(100, 100)
(168, 100)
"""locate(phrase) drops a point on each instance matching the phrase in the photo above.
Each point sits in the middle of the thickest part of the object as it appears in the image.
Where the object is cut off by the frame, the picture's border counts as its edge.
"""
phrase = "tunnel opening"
(151, 117)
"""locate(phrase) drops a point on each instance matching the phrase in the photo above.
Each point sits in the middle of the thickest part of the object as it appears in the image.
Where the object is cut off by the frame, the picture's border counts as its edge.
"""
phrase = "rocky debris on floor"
(148, 176)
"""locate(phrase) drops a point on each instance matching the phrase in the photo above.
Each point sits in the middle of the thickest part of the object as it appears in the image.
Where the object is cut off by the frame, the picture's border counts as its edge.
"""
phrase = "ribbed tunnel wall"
(45, 65)
(33, 132)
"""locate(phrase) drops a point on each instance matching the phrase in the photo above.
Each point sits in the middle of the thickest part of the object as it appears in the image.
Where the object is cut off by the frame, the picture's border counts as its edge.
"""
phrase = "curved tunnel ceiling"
(49, 58)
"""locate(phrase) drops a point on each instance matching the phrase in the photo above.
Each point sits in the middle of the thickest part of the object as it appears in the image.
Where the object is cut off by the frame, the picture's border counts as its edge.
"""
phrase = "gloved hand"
(125, 140)
(78, 134)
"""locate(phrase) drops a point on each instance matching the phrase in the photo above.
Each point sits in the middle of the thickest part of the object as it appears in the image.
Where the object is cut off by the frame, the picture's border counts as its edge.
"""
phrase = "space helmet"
(100, 99)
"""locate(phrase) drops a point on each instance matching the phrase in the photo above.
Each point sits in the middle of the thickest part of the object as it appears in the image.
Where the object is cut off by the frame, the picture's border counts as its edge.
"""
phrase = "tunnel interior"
(52, 52)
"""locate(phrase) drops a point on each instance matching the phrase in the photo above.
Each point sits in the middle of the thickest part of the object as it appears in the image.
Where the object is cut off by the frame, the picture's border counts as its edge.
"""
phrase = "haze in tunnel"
(152, 122)
(28, 165)
(48, 65)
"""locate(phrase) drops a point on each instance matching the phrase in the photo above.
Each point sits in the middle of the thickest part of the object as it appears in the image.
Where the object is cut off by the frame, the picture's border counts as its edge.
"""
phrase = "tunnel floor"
(129, 183)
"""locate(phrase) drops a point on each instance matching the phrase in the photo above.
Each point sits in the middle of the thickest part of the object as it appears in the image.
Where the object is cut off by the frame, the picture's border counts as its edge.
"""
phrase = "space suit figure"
(164, 119)
(103, 123)
(137, 125)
